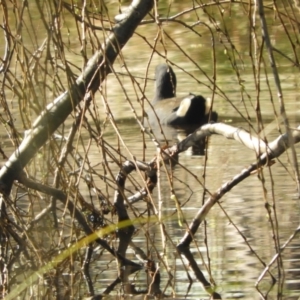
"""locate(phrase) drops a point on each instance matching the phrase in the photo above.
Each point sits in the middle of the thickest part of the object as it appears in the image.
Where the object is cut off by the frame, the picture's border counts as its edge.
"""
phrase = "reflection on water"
(235, 265)
(236, 240)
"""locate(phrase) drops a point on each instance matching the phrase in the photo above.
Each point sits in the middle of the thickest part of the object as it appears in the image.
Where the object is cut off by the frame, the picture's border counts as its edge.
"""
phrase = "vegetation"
(69, 86)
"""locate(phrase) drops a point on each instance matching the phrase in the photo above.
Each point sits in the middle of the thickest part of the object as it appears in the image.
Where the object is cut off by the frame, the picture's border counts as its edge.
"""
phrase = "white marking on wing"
(184, 107)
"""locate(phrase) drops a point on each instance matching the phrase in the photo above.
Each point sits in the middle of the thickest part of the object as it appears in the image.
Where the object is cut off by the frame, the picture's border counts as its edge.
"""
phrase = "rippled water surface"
(236, 239)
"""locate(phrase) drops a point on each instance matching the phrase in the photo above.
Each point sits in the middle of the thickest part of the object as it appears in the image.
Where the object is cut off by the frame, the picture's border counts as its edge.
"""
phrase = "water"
(235, 265)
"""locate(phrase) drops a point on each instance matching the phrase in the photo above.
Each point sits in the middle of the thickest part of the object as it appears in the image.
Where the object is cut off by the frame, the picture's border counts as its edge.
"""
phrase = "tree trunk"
(96, 70)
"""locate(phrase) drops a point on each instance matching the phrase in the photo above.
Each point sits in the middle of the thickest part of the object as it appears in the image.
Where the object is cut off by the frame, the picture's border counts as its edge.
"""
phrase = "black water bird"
(189, 111)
